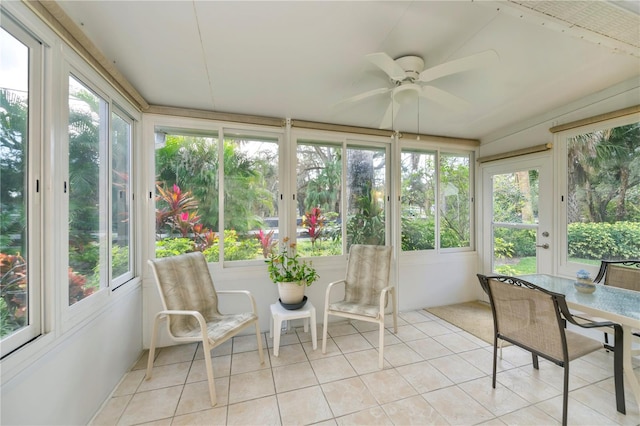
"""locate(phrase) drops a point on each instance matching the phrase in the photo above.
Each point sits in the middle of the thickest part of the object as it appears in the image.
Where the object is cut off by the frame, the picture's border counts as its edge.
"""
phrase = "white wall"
(71, 380)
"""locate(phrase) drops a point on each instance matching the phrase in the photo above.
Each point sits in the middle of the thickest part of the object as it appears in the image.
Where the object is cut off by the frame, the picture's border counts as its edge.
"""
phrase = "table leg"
(314, 337)
(277, 329)
(627, 364)
(306, 325)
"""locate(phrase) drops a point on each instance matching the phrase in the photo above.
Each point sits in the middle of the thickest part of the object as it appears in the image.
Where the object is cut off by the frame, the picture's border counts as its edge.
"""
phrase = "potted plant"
(290, 273)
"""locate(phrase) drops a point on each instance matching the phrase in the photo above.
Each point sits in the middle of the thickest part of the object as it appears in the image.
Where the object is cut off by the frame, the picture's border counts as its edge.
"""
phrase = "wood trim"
(516, 153)
(53, 15)
(379, 132)
(218, 116)
(596, 119)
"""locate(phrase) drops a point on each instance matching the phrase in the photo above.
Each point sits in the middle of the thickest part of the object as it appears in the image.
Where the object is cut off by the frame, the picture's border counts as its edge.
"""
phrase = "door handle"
(544, 246)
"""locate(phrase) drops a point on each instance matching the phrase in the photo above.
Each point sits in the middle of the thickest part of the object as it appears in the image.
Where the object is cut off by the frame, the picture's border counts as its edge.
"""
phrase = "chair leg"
(534, 359)
(324, 332)
(209, 367)
(152, 348)
(565, 394)
(259, 343)
(381, 346)
(395, 312)
(495, 360)
(618, 360)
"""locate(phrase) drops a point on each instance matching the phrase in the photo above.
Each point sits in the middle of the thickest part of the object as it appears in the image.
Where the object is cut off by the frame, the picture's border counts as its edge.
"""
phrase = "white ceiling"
(298, 59)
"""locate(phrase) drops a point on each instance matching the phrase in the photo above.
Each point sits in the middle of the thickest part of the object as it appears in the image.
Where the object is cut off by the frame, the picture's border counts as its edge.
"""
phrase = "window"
(366, 195)
(189, 203)
(455, 200)
(20, 95)
(603, 194)
(418, 200)
(121, 199)
(318, 201)
(251, 193)
(425, 217)
(87, 189)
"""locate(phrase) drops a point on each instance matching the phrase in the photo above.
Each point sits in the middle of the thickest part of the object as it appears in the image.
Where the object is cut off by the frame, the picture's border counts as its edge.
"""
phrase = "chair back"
(623, 277)
(184, 283)
(527, 316)
(368, 271)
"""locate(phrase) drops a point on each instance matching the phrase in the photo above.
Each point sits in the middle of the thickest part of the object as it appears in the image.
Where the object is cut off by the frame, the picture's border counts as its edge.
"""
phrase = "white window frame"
(564, 266)
(33, 198)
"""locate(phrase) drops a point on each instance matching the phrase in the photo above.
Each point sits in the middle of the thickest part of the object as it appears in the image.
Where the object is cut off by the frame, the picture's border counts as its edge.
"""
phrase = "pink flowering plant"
(286, 266)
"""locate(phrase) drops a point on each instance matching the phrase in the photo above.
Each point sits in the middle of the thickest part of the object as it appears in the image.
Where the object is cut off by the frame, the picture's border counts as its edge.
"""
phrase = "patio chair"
(623, 274)
(533, 319)
(190, 303)
(367, 292)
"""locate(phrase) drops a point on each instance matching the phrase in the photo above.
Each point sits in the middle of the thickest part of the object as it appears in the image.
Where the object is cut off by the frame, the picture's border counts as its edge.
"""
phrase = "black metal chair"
(533, 318)
(623, 274)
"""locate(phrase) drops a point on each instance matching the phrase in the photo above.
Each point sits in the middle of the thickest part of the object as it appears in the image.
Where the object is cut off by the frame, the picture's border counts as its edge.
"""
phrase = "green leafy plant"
(286, 266)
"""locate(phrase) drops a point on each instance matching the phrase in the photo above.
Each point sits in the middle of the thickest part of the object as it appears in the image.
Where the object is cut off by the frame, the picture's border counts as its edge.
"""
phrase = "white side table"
(279, 314)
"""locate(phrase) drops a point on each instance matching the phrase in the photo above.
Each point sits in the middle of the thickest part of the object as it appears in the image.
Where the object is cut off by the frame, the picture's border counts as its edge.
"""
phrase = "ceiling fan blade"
(459, 65)
(390, 115)
(444, 98)
(388, 65)
(362, 96)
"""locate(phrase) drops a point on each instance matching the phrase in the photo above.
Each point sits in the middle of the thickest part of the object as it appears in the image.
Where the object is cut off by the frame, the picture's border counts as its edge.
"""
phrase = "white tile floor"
(434, 373)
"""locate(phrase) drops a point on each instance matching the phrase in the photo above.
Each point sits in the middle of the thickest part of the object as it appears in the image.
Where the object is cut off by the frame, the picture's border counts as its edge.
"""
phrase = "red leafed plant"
(314, 222)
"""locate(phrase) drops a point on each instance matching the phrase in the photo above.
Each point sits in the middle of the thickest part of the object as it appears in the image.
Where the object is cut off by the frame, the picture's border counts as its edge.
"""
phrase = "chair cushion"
(219, 328)
(372, 311)
(367, 274)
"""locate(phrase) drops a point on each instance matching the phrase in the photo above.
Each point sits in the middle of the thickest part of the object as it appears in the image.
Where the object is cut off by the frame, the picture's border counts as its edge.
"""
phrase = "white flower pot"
(291, 292)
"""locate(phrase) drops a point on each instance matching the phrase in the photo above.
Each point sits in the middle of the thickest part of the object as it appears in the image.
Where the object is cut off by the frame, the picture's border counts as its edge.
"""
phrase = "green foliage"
(287, 266)
(367, 225)
(522, 241)
(328, 247)
(119, 260)
(502, 249)
(174, 246)
(620, 240)
(418, 234)
(237, 247)
(13, 292)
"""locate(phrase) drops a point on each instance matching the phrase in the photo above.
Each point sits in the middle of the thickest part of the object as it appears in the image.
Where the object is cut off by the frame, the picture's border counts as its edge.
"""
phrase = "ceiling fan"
(407, 74)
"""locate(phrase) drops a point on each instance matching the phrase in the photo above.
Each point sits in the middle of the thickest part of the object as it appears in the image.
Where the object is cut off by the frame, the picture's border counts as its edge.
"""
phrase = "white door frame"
(543, 162)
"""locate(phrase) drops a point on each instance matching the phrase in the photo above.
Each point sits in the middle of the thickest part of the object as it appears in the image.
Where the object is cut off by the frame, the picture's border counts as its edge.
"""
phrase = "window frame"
(72, 65)
(564, 266)
(130, 274)
(439, 149)
(33, 178)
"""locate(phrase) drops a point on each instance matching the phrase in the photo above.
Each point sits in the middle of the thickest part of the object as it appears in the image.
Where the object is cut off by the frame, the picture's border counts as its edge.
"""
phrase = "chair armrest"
(245, 292)
(383, 295)
(198, 316)
(328, 292)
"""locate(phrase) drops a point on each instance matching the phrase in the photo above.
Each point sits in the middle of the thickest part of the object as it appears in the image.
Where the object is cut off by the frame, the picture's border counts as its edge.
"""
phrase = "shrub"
(620, 240)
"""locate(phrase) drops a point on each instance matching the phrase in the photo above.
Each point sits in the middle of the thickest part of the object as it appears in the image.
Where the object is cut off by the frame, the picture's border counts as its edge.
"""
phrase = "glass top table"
(611, 303)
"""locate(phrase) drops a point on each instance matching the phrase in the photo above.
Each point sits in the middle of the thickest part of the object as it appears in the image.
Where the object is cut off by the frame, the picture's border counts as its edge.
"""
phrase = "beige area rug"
(473, 317)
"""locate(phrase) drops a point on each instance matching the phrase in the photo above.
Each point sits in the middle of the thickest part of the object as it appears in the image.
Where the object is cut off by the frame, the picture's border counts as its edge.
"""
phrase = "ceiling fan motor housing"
(412, 66)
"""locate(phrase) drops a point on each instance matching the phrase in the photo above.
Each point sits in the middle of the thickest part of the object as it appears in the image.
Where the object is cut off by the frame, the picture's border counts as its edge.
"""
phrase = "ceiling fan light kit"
(408, 75)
